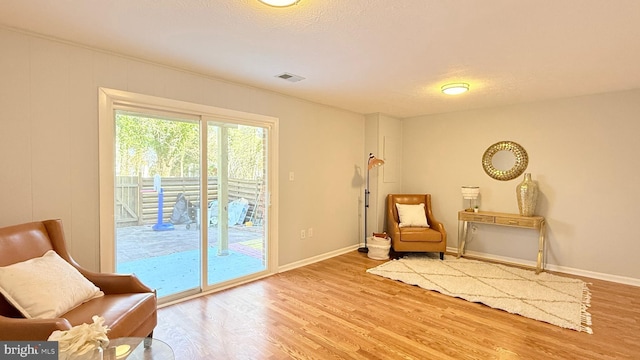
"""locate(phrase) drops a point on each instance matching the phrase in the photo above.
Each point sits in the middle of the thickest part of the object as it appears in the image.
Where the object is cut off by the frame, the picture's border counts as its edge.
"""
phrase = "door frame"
(109, 99)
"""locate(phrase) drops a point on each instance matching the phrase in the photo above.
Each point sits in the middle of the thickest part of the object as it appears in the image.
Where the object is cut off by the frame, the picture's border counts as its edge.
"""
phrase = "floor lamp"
(371, 163)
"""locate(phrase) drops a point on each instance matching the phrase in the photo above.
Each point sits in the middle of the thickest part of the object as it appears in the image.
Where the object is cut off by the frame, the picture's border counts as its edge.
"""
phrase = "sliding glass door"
(157, 184)
(190, 199)
(236, 168)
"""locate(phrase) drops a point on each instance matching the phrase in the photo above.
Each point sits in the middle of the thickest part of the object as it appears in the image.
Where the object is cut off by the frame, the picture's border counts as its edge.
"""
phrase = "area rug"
(545, 297)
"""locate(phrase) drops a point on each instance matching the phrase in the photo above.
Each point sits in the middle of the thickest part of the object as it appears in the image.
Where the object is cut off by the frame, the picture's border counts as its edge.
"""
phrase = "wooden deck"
(138, 242)
(169, 261)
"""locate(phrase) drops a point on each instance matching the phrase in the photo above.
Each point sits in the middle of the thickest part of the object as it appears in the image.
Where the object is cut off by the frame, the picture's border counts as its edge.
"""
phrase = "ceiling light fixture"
(455, 89)
(279, 3)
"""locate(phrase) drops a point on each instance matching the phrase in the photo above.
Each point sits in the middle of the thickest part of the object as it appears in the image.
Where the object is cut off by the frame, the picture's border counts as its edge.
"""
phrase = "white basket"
(378, 248)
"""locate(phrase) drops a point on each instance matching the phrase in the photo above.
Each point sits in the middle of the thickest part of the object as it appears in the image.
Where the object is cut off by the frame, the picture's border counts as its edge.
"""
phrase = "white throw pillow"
(45, 287)
(412, 215)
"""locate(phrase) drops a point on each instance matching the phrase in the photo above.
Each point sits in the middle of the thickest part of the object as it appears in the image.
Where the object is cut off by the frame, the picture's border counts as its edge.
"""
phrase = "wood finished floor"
(335, 310)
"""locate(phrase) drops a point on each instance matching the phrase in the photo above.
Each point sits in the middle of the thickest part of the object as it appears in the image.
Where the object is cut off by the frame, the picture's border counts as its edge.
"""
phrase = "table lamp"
(470, 193)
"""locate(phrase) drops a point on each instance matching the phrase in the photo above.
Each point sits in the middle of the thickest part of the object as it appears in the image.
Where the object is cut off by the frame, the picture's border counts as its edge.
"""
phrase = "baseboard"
(317, 258)
(551, 267)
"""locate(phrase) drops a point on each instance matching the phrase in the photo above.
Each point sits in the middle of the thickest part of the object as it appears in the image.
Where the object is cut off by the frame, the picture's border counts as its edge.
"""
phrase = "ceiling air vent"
(290, 77)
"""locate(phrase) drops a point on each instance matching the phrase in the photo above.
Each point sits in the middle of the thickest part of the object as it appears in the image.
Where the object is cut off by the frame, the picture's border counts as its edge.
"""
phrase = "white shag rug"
(545, 297)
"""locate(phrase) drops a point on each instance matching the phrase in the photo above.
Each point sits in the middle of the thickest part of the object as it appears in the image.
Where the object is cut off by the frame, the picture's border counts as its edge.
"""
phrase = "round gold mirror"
(505, 160)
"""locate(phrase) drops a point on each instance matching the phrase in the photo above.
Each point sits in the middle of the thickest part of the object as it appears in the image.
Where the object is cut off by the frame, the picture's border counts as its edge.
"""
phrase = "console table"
(501, 219)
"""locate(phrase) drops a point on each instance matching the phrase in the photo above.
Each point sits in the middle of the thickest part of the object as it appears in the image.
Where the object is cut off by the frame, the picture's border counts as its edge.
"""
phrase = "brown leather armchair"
(128, 306)
(415, 239)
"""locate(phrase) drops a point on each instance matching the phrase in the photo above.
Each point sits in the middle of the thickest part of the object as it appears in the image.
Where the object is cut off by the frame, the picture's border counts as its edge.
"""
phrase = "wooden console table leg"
(539, 263)
(462, 237)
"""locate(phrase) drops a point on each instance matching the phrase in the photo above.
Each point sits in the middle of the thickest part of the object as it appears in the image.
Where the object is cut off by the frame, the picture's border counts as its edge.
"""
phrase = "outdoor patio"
(169, 261)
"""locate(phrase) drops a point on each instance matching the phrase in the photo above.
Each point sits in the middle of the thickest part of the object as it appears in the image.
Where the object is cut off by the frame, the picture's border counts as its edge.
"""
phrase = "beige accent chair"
(415, 239)
(128, 306)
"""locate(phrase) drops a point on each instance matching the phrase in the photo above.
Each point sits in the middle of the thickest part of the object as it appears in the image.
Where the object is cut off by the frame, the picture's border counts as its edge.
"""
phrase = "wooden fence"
(137, 203)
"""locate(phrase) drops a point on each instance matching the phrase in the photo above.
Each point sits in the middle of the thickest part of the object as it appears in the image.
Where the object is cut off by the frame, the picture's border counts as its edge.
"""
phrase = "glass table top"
(135, 349)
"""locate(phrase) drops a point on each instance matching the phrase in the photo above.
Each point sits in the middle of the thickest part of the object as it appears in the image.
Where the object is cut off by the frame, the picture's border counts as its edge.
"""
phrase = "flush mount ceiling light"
(455, 89)
(279, 3)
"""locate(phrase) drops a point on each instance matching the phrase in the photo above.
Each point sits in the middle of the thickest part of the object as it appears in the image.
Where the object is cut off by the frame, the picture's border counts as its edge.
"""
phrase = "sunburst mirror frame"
(520, 165)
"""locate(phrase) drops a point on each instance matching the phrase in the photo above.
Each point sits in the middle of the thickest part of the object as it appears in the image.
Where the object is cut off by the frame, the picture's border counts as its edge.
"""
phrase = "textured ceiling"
(368, 55)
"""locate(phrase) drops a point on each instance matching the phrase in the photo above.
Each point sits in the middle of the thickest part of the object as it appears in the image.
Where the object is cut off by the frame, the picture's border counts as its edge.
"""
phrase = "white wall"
(372, 145)
(49, 142)
(383, 138)
(583, 152)
(390, 175)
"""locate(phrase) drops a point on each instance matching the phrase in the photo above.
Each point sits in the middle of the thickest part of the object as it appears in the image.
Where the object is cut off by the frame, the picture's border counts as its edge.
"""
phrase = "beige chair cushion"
(419, 234)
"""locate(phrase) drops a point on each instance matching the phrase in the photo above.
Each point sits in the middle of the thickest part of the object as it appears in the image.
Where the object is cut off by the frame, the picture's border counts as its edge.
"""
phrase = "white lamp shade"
(470, 192)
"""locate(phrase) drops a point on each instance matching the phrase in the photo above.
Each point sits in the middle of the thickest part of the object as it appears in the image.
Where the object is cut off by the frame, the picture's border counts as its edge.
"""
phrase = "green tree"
(168, 147)
(152, 146)
(246, 155)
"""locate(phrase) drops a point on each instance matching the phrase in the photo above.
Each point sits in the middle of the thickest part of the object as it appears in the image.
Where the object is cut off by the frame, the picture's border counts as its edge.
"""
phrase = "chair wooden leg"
(442, 256)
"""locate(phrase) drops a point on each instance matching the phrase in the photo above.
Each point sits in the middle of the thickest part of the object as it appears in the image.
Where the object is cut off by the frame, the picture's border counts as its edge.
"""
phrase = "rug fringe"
(585, 317)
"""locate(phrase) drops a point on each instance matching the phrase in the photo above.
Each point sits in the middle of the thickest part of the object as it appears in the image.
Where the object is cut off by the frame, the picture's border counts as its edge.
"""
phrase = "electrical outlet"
(310, 232)
(291, 176)
(302, 234)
